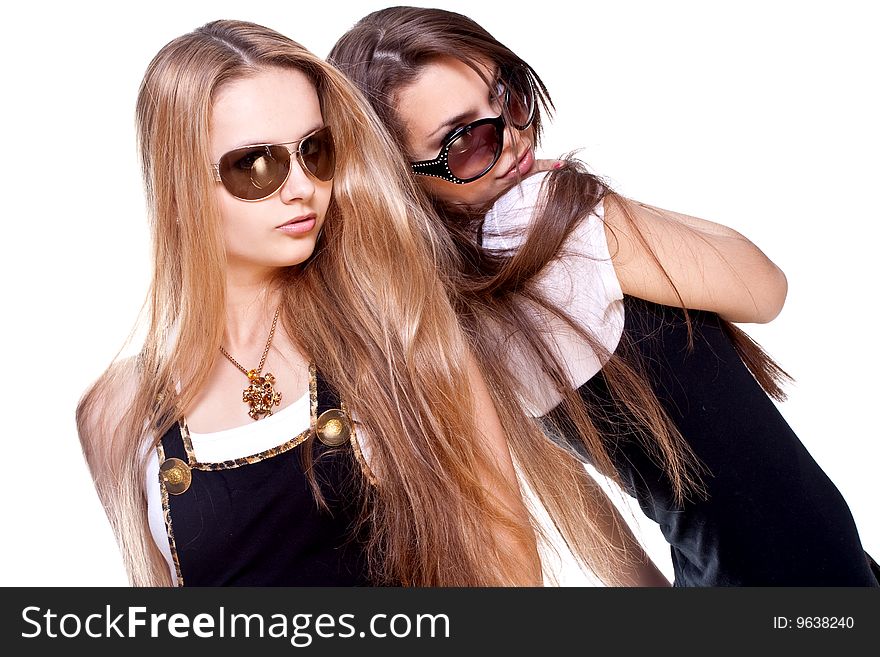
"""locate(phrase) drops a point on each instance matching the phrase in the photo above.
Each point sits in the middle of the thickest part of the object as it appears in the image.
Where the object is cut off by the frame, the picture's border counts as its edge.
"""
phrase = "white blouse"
(580, 280)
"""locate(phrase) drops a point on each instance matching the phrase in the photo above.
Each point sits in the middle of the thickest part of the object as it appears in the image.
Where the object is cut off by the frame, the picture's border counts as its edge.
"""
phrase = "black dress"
(772, 517)
(254, 521)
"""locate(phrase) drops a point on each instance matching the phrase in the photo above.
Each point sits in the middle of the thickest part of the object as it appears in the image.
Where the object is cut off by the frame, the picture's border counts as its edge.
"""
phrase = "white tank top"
(219, 446)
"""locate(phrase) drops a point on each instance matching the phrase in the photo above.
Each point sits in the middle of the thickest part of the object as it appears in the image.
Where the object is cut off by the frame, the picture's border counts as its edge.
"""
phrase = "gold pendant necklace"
(260, 394)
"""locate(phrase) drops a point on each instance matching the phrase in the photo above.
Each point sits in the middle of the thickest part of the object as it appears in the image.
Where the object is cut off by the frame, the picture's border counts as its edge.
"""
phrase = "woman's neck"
(251, 303)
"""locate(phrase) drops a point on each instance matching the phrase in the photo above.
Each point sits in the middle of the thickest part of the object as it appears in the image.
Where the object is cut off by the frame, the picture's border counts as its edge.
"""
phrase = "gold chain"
(265, 351)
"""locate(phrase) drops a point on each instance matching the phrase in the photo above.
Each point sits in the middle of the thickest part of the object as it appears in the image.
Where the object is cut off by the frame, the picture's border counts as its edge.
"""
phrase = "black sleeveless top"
(771, 517)
(254, 521)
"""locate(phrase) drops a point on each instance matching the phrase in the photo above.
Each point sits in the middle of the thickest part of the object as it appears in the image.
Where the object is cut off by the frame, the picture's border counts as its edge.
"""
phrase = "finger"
(547, 165)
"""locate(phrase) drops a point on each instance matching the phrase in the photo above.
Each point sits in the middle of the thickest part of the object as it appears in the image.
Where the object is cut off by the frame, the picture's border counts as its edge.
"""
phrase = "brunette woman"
(561, 276)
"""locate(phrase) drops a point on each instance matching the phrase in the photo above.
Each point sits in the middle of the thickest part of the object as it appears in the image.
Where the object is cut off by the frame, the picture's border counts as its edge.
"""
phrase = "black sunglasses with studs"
(469, 152)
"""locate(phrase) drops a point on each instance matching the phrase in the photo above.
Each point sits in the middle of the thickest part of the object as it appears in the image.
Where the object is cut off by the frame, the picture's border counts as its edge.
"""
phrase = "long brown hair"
(385, 52)
(390, 344)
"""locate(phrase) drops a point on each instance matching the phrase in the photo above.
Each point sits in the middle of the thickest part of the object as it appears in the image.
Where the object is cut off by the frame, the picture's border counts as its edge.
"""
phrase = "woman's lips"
(522, 166)
(299, 225)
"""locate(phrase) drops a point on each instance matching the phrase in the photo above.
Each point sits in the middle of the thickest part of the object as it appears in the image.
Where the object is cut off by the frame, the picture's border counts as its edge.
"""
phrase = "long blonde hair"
(369, 309)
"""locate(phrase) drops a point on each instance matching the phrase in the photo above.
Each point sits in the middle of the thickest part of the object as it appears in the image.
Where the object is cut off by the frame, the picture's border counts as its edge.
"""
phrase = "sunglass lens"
(254, 173)
(520, 109)
(521, 102)
(318, 155)
(474, 151)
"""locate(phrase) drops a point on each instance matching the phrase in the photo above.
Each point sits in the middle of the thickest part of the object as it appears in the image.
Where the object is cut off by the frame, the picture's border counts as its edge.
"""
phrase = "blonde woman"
(305, 409)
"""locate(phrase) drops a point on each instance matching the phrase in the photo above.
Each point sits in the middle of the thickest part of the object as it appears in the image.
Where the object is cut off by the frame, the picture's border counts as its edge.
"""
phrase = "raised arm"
(711, 266)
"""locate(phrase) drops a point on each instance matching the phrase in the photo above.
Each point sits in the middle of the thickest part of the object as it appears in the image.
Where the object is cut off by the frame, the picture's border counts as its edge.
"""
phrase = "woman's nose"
(299, 184)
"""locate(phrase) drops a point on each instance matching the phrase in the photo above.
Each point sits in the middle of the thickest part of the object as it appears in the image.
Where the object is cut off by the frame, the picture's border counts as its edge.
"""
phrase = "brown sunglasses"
(252, 173)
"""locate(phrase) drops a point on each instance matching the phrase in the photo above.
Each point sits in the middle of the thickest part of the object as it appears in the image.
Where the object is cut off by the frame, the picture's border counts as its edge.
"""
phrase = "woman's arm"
(99, 414)
(637, 568)
(711, 266)
(503, 484)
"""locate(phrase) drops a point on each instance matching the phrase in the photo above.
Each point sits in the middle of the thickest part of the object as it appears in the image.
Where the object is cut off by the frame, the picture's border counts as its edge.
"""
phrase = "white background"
(759, 115)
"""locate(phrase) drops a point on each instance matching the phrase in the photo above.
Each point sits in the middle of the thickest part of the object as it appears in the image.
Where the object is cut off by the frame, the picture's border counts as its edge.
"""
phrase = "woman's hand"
(546, 165)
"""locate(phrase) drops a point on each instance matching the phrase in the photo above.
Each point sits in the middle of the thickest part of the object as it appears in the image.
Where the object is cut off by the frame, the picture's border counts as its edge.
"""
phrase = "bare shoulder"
(103, 406)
